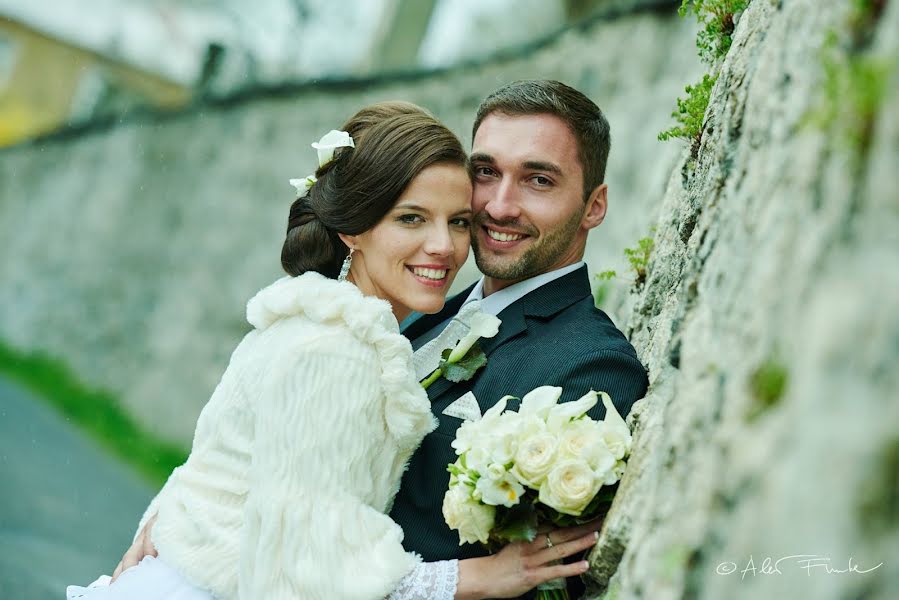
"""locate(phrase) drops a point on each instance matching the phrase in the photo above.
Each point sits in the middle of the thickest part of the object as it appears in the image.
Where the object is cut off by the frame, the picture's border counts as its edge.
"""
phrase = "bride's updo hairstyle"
(394, 142)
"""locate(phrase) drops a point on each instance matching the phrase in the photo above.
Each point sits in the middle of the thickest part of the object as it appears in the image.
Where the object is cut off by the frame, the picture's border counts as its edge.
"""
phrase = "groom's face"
(528, 203)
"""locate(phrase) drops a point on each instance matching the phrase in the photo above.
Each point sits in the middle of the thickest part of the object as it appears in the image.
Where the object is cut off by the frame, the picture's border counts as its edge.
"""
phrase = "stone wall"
(770, 326)
(132, 247)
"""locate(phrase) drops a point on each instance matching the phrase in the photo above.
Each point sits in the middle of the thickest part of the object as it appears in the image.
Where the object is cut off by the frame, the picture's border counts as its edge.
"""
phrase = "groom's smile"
(501, 238)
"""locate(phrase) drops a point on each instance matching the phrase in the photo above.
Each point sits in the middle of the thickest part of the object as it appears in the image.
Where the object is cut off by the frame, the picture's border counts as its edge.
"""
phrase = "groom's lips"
(496, 244)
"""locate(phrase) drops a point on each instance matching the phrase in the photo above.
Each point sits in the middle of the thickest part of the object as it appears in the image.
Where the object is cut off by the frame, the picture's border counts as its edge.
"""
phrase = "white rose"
(498, 487)
(471, 519)
(481, 325)
(330, 142)
(569, 487)
(581, 439)
(535, 457)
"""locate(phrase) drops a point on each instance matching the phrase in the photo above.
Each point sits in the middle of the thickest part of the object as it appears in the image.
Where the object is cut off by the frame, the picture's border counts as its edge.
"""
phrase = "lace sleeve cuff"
(429, 581)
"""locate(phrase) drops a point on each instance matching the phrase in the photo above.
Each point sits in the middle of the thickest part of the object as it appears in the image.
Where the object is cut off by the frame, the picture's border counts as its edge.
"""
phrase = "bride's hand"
(141, 547)
(521, 566)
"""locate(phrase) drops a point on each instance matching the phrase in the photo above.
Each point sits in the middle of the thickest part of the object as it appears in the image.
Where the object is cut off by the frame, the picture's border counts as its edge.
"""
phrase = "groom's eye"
(541, 180)
(485, 171)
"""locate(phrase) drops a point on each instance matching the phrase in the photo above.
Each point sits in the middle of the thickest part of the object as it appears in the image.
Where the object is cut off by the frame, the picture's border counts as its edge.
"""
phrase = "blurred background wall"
(134, 236)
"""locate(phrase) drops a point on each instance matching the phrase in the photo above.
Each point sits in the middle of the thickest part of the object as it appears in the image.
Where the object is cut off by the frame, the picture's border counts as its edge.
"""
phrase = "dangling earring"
(345, 267)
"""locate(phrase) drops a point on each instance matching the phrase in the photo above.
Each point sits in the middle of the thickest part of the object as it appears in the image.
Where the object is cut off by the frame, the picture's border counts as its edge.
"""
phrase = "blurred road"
(67, 508)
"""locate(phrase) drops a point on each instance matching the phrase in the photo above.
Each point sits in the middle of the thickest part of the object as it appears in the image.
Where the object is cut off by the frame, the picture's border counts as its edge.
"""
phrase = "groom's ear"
(595, 209)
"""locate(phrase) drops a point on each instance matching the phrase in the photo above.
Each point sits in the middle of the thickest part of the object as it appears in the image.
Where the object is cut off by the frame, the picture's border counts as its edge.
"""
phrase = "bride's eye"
(410, 219)
(461, 222)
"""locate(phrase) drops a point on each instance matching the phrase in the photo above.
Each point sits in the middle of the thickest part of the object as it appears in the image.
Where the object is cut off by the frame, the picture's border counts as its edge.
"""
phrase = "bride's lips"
(429, 275)
(501, 238)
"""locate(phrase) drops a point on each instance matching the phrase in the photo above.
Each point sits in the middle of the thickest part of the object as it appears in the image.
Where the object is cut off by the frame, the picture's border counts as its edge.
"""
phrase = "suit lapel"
(545, 302)
(542, 303)
(512, 325)
(554, 297)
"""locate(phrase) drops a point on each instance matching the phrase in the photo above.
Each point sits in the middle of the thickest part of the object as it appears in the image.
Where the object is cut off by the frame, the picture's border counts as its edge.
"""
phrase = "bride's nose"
(439, 241)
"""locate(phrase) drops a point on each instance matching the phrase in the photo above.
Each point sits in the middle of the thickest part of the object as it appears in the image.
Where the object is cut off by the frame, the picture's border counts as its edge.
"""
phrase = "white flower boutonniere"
(463, 361)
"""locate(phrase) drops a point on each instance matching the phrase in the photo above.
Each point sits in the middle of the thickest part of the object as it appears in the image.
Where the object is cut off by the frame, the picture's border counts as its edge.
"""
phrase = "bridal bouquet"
(548, 464)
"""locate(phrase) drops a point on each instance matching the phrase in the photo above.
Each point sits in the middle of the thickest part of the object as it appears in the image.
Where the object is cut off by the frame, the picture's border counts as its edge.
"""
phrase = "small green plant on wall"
(691, 111)
(638, 257)
(718, 19)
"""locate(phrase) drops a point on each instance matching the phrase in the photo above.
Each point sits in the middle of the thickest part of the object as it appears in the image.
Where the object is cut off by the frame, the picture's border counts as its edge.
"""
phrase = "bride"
(298, 453)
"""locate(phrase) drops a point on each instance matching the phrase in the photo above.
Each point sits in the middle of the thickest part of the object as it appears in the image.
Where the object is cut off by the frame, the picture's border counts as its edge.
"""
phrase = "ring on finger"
(549, 542)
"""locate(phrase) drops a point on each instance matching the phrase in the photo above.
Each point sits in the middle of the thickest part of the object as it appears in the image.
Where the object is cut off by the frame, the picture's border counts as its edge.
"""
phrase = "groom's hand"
(141, 547)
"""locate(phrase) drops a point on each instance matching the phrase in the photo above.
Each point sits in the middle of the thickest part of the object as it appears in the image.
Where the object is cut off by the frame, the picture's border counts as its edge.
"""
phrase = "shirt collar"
(496, 302)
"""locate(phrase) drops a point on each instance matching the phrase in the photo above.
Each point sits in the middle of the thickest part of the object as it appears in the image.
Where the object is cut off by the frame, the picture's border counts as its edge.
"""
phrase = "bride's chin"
(429, 307)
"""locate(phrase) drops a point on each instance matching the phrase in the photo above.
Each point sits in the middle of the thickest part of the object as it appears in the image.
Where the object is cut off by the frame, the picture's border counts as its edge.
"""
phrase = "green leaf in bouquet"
(465, 369)
(516, 524)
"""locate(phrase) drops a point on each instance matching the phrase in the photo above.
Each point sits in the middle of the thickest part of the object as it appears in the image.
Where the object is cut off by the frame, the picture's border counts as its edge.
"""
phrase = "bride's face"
(412, 255)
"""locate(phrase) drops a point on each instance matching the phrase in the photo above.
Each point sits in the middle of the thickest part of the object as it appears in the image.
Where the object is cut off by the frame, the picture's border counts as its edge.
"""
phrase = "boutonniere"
(463, 361)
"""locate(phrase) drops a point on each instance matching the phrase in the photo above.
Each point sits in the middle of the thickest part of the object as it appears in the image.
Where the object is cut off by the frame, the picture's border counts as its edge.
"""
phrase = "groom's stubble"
(540, 257)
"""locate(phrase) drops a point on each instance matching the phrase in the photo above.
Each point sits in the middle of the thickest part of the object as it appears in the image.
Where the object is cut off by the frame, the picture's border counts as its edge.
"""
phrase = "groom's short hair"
(545, 96)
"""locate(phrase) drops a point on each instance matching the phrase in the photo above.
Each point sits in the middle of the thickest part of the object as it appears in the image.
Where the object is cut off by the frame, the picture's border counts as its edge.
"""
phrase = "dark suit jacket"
(552, 336)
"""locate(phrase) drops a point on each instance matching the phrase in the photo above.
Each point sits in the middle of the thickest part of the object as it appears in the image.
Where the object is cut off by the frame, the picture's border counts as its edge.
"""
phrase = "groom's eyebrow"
(538, 165)
(533, 165)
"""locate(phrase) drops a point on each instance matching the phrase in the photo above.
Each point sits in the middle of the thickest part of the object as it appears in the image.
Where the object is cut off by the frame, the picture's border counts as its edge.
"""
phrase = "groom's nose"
(504, 205)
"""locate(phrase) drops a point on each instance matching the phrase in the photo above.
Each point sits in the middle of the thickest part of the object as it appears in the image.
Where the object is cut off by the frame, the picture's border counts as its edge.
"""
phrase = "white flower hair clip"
(325, 147)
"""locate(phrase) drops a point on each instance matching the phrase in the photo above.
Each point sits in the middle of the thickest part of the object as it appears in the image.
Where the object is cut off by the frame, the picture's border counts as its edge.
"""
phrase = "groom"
(538, 157)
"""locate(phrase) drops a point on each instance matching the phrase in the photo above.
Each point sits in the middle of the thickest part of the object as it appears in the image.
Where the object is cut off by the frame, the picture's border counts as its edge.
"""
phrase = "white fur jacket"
(299, 452)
